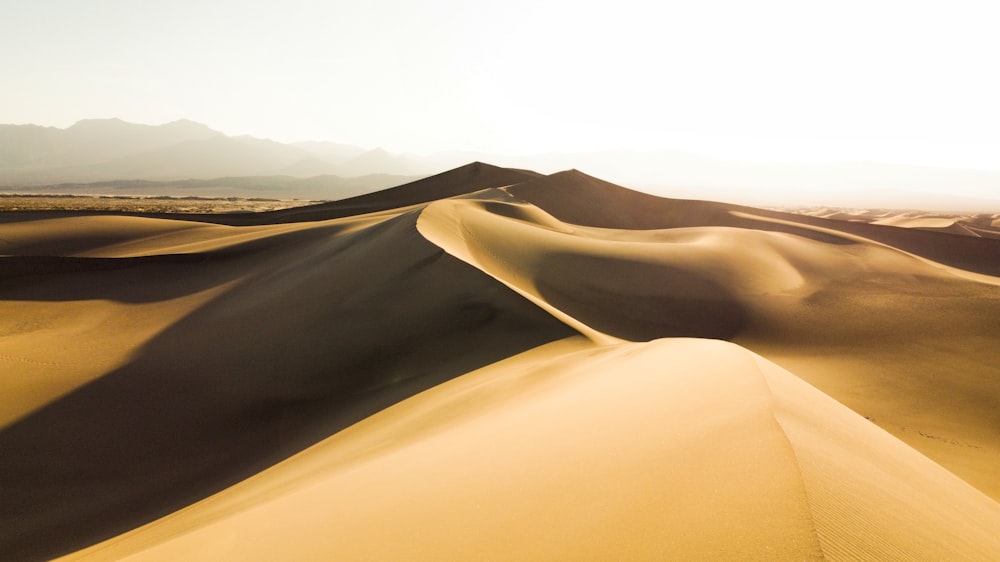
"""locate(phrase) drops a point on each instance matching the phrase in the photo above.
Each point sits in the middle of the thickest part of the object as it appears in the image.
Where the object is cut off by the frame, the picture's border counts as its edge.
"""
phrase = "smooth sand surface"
(874, 326)
(672, 449)
(526, 367)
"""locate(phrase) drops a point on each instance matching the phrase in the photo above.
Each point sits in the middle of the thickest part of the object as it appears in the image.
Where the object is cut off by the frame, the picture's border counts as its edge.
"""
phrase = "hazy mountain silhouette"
(90, 141)
(111, 149)
(325, 187)
(310, 166)
(381, 161)
(332, 152)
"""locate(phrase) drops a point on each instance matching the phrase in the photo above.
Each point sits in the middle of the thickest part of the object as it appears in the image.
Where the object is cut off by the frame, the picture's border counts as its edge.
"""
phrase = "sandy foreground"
(494, 364)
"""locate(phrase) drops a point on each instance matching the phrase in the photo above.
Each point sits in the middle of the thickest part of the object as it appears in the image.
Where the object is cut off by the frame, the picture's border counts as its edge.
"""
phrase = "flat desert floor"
(494, 364)
(144, 204)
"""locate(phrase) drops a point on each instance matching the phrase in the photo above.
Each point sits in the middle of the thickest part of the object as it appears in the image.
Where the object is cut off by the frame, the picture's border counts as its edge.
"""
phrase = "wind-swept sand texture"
(493, 364)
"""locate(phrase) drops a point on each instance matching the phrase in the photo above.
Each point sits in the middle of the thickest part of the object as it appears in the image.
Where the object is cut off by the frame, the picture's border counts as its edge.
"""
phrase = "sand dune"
(576, 198)
(873, 326)
(976, 225)
(301, 338)
(673, 449)
(919, 221)
(497, 364)
(455, 182)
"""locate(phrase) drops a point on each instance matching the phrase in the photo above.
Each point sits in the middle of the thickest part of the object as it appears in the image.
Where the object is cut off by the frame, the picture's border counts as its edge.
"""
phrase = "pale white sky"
(893, 80)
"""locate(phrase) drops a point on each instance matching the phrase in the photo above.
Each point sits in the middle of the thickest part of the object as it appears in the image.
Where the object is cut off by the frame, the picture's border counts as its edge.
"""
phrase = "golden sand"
(493, 364)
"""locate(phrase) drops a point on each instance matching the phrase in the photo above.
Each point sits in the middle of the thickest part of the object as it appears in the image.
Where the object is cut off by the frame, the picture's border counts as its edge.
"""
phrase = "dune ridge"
(577, 198)
(275, 361)
(497, 364)
(849, 316)
(966, 224)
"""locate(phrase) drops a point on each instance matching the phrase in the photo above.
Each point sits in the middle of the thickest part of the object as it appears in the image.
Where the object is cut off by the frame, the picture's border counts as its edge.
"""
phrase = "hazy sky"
(903, 80)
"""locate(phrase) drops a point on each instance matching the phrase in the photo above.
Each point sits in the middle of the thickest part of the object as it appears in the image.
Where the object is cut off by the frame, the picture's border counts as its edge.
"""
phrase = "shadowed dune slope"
(310, 335)
(668, 450)
(607, 290)
(460, 181)
(75, 317)
(75, 235)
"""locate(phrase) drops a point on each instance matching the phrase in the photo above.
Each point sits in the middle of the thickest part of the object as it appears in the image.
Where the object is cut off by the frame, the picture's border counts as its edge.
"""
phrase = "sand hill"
(494, 364)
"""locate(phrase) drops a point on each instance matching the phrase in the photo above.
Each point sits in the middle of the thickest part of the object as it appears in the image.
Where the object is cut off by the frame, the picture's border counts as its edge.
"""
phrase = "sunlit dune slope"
(673, 449)
(517, 322)
(577, 198)
(965, 224)
(911, 344)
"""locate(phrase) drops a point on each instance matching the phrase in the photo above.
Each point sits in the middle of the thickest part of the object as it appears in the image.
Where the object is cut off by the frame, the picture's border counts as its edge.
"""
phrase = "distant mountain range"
(316, 188)
(122, 156)
(101, 150)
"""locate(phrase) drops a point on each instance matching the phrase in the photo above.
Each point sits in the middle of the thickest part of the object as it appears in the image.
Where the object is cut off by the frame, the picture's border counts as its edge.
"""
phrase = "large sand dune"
(494, 364)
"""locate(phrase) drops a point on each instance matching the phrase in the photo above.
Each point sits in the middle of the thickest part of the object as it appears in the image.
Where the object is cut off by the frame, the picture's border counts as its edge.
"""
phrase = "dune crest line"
(497, 364)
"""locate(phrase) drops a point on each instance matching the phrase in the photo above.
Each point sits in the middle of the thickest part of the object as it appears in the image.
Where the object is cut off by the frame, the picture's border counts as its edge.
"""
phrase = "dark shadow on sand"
(324, 336)
(640, 301)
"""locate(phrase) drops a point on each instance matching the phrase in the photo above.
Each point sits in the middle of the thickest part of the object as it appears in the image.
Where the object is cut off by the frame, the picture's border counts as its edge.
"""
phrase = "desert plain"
(492, 363)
